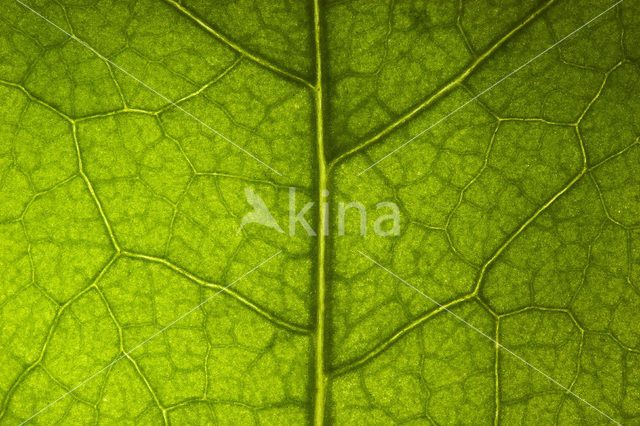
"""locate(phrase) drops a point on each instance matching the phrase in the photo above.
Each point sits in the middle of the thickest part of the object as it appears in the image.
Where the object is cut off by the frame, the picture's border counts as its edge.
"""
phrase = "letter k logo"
(260, 213)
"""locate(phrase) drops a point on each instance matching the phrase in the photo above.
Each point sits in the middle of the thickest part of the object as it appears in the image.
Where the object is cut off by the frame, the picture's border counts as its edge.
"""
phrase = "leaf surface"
(123, 191)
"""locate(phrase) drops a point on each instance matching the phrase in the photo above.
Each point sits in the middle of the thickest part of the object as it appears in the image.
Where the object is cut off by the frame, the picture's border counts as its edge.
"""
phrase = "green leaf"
(138, 148)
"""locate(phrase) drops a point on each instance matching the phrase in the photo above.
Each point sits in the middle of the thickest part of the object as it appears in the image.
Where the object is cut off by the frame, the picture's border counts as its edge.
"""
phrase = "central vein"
(320, 377)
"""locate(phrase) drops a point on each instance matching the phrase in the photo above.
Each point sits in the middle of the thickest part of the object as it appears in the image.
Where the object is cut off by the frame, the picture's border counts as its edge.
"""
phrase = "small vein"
(461, 30)
(237, 296)
(151, 89)
(235, 46)
(615, 155)
(522, 227)
(36, 99)
(203, 88)
(119, 327)
(437, 95)
(94, 196)
(474, 294)
(599, 92)
(52, 328)
(384, 345)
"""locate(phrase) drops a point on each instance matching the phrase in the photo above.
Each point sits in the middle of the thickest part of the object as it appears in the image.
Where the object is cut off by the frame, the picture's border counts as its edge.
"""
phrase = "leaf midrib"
(320, 376)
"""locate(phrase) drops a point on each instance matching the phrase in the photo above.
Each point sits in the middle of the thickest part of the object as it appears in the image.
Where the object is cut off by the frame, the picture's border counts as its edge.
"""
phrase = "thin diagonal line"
(149, 87)
(493, 85)
(162, 330)
(474, 328)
